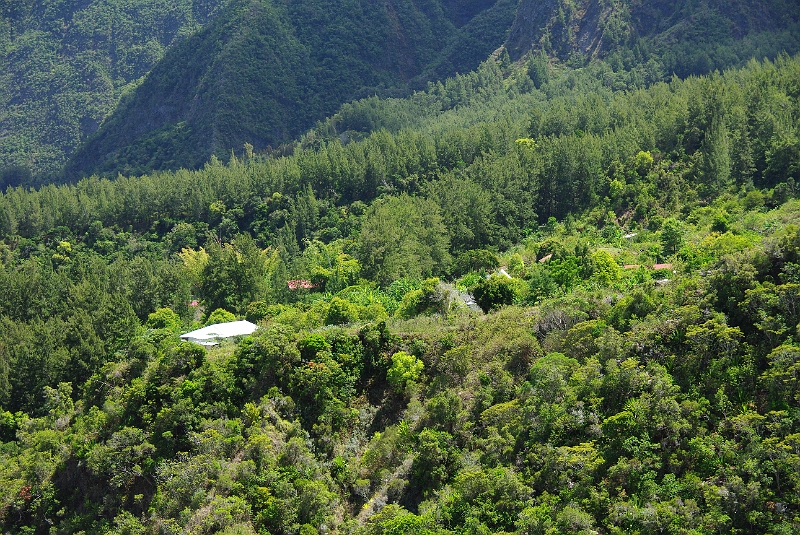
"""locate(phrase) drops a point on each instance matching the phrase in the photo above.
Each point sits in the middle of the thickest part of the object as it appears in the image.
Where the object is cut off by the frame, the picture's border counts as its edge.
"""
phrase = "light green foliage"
(783, 376)
(165, 318)
(127, 524)
(340, 312)
(491, 499)
(671, 236)
(395, 520)
(405, 368)
(330, 268)
(643, 162)
(605, 269)
(429, 298)
(220, 315)
(565, 272)
(403, 237)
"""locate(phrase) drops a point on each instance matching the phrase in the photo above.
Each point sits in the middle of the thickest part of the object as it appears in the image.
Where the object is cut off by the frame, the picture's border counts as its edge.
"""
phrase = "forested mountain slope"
(632, 369)
(333, 52)
(265, 71)
(64, 65)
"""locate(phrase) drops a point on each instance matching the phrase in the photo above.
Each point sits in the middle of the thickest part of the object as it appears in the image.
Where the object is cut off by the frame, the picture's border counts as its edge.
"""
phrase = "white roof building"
(211, 334)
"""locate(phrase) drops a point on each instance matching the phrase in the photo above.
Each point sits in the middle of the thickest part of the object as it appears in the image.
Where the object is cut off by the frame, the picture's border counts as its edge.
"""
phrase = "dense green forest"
(64, 65)
(112, 86)
(265, 71)
(540, 299)
(168, 85)
(265, 82)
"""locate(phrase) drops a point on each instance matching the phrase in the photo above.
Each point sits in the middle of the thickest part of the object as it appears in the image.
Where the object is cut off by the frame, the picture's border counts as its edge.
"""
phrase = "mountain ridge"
(223, 79)
(336, 55)
(65, 65)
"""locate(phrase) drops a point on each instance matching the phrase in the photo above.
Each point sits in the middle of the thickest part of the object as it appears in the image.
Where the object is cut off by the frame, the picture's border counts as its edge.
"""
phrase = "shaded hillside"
(64, 64)
(267, 70)
(686, 37)
(264, 72)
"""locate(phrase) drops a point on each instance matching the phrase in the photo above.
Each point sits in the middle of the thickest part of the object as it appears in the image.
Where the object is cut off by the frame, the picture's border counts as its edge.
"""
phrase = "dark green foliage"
(138, 86)
(428, 298)
(234, 274)
(435, 462)
(403, 237)
(65, 66)
(264, 72)
(671, 237)
(492, 499)
(493, 293)
(662, 37)
(182, 358)
(477, 260)
(637, 305)
(266, 359)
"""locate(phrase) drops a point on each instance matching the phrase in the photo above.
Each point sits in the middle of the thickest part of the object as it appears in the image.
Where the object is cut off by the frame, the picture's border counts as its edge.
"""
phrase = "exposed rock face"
(595, 27)
(559, 29)
(533, 17)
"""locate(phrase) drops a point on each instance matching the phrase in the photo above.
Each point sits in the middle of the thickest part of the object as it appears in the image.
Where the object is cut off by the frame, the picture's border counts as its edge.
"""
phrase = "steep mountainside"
(688, 37)
(129, 87)
(64, 64)
(265, 71)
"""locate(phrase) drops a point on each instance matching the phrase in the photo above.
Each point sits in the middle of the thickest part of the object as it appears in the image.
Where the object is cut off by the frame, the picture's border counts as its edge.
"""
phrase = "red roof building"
(300, 284)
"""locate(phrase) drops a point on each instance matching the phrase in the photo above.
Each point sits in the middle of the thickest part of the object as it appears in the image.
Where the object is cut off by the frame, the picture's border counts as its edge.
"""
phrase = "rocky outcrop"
(561, 29)
(595, 27)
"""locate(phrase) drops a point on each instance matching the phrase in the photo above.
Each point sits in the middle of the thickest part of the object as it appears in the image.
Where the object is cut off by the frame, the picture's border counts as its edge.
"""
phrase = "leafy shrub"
(220, 315)
(604, 269)
(635, 305)
(427, 299)
(313, 344)
(476, 260)
(437, 460)
(341, 312)
(404, 368)
(183, 358)
(258, 310)
(493, 293)
(164, 318)
(672, 232)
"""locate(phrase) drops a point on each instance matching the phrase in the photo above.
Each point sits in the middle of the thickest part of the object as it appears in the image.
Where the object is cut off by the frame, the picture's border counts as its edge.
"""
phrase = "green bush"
(477, 260)
(164, 318)
(341, 312)
(220, 315)
(404, 368)
(424, 300)
(492, 293)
